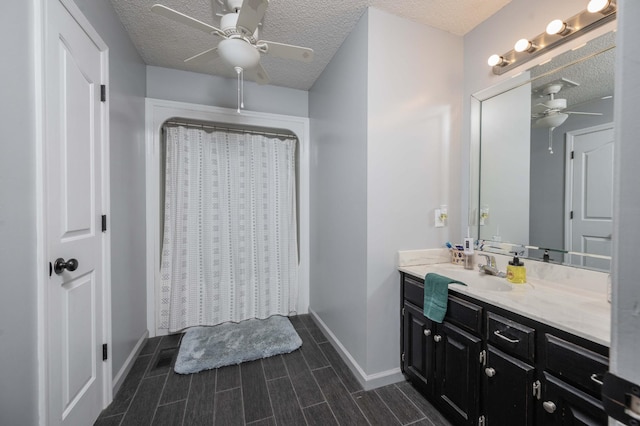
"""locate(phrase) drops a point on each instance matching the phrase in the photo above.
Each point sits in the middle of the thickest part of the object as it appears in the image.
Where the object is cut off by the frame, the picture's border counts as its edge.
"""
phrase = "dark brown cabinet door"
(508, 390)
(458, 373)
(418, 348)
(562, 404)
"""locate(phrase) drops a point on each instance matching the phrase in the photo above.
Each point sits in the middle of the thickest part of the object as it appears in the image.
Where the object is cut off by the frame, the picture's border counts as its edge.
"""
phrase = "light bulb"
(598, 5)
(495, 60)
(557, 26)
(522, 45)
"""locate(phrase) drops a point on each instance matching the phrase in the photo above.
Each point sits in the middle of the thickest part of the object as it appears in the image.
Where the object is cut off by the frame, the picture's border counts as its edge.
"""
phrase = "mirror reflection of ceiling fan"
(553, 112)
(240, 46)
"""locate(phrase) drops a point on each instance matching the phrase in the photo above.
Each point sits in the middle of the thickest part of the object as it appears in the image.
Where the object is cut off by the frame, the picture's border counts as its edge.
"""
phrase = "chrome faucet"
(490, 267)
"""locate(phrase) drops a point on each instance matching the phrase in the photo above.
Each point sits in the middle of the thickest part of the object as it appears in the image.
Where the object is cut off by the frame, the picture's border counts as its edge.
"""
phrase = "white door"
(74, 117)
(591, 195)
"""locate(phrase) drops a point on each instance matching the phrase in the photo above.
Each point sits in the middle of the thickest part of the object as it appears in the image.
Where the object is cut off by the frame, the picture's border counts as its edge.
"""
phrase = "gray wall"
(384, 140)
(547, 216)
(18, 338)
(338, 125)
(204, 89)
(413, 144)
(127, 75)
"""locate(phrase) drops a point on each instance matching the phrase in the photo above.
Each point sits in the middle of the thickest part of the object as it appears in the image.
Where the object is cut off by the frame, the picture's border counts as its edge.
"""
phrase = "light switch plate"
(439, 222)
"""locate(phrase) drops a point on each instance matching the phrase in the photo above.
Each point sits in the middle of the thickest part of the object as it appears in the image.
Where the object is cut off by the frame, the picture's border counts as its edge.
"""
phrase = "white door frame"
(40, 69)
(568, 180)
(157, 112)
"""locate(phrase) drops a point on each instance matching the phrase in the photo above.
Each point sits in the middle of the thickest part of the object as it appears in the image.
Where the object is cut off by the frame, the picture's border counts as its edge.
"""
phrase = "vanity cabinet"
(509, 373)
(487, 366)
(572, 384)
(457, 373)
(418, 351)
(442, 359)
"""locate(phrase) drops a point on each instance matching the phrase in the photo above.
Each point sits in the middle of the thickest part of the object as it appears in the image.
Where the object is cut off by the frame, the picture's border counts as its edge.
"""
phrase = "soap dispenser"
(516, 272)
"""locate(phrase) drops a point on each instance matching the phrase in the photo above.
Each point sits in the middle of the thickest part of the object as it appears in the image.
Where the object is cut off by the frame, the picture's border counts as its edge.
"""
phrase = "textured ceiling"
(594, 75)
(319, 24)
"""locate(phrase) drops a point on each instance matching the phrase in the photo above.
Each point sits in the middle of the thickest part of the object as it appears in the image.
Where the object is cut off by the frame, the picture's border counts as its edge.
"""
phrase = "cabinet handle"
(595, 378)
(537, 387)
(503, 337)
(427, 332)
(549, 407)
(437, 338)
(490, 372)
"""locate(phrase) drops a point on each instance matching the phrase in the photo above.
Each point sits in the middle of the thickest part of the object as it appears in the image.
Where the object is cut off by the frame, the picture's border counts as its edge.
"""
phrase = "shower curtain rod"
(213, 127)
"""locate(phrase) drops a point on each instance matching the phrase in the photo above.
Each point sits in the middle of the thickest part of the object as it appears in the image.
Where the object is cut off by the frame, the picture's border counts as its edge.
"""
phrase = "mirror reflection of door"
(590, 195)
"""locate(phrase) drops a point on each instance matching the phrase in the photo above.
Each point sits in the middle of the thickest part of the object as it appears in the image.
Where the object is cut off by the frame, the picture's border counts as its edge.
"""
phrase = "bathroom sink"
(472, 278)
(489, 283)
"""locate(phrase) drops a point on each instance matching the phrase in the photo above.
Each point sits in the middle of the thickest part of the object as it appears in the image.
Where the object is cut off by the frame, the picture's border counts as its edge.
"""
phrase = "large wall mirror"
(542, 160)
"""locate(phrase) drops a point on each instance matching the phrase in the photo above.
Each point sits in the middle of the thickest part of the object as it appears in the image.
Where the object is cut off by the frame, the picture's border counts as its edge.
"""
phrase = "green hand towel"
(436, 294)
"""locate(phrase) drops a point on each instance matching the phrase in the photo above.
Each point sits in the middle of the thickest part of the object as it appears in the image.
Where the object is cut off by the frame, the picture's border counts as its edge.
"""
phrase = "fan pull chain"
(240, 73)
(551, 140)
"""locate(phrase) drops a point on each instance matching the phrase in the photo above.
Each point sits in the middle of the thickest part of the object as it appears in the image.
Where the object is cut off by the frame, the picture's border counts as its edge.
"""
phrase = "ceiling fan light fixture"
(239, 53)
(552, 120)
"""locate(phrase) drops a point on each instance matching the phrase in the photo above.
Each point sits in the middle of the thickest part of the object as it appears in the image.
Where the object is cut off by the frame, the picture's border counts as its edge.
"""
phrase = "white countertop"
(578, 311)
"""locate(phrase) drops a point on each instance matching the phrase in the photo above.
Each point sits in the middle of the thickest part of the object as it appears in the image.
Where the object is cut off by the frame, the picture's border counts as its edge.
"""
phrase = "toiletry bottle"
(516, 272)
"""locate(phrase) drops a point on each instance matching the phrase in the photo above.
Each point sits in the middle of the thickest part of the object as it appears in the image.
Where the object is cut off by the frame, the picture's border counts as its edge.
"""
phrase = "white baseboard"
(367, 381)
(128, 363)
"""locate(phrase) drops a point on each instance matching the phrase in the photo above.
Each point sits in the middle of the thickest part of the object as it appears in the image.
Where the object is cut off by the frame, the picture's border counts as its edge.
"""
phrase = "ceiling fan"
(554, 113)
(240, 46)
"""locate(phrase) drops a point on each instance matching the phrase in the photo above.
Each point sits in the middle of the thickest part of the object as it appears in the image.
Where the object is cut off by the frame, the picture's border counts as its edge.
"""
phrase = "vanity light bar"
(571, 28)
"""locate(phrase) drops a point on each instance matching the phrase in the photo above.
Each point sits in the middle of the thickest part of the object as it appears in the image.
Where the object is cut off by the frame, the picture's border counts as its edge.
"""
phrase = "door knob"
(490, 372)
(60, 265)
(437, 338)
(549, 406)
(427, 332)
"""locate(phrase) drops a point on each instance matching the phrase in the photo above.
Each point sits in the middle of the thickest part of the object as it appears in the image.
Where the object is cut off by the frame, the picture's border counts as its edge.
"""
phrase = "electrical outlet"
(440, 218)
(484, 216)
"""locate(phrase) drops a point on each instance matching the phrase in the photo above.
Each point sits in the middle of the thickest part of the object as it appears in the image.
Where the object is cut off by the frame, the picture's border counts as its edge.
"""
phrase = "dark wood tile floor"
(310, 386)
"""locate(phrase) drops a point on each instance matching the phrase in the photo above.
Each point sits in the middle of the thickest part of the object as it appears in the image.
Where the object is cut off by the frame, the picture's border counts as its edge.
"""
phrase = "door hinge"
(571, 215)
(103, 93)
(481, 421)
(536, 389)
(105, 352)
(104, 223)
(483, 357)
(402, 311)
(572, 155)
(402, 357)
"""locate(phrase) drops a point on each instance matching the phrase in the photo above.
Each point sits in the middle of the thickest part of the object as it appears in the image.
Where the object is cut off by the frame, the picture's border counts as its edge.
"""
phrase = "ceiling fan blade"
(286, 51)
(582, 113)
(257, 74)
(251, 13)
(204, 57)
(174, 15)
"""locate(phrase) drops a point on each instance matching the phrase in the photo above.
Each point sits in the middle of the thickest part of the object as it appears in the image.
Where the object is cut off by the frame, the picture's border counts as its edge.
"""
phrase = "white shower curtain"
(229, 249)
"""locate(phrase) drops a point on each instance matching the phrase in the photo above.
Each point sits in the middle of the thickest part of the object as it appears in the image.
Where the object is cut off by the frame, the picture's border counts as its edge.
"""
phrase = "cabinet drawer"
(414, 290)
(568, 405)
(575, 364)
(510, 336)
(465, 315)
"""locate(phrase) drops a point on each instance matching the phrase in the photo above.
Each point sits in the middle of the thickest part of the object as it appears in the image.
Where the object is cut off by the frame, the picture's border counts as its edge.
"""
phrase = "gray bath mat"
(204, 348)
